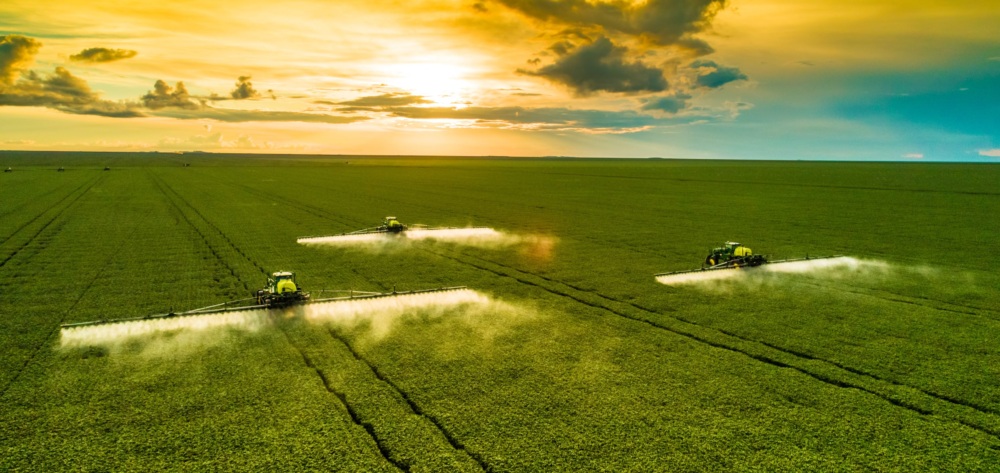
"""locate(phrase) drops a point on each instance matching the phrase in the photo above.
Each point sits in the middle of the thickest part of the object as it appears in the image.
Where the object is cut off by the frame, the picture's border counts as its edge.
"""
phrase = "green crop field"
(579, 360)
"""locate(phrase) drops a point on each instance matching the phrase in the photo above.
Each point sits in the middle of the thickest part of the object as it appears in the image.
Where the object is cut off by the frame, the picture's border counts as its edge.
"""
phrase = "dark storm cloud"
(164, 96)
(102, 55)
(601, 66)
(670, 104)
(561, 48)
(601, 46)
(714, 75)
(16, 54)
(383, 100)
(663, 22)
(244, 89)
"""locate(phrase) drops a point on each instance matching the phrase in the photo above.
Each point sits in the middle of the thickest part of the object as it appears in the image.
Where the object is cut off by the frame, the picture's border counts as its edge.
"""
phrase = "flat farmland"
(580, 361)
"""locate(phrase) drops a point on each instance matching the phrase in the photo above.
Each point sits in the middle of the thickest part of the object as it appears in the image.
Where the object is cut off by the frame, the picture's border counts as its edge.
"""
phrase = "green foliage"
(582, 362)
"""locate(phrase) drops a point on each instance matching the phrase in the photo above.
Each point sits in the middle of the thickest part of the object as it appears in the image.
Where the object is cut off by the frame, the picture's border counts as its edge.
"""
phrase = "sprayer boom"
(725, 268)
(240, 305)
(390, 225)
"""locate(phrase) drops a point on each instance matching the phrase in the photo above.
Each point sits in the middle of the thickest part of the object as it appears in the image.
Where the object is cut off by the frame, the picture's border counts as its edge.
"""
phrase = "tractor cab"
(282, 282)
(737, 249)
(281, 290)
(733, 254)
(390, 224)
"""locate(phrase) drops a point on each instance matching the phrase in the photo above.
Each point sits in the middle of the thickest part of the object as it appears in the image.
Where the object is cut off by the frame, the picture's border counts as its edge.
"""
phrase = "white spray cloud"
(379, 316)
(107, 334)
(475, 236)
(468, 236)
(169, 335)
(841, 262)
(359, 239)
(840, 266)
(536, 246)
(698, 277)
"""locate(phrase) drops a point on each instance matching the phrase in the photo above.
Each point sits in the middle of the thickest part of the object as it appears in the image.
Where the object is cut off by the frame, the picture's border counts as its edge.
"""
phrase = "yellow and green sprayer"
(391, 229)
(733, 257)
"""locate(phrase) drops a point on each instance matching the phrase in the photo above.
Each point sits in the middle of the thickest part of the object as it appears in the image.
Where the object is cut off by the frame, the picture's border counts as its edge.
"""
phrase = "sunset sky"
(769, 79)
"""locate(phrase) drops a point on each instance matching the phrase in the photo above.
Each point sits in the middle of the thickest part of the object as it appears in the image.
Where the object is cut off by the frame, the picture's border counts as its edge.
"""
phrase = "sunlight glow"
(441, 80)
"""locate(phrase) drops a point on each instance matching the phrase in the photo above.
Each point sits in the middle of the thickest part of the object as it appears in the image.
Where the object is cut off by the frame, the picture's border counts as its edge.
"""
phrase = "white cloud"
(993, 153)
(914, 155)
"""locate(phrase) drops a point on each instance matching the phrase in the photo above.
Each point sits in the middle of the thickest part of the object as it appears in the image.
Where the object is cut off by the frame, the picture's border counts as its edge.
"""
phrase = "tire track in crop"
(796, 353)
(936, 395)
(342, 397)
(62, 319)
(794, 363)
(40, 197)
(208, 222)
(311, 210)
(60, 201)
(872, 293)
(754, 351)
(167, 192)
(779, 356)
(317, 212)
(939, 396)
(372, 431)
(455, 443)
(51, 220)
(414, 407)
(927, 302)
(173, 197)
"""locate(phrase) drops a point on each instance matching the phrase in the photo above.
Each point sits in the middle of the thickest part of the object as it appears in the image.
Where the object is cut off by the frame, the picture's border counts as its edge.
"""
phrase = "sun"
(444, 82)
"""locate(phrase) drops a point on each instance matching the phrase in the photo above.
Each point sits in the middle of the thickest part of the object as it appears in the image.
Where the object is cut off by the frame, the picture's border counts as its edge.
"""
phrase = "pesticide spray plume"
(806, 266)
(696, 277)
(360, 239)
(538, 247)
(474, 236)
(834, 266)
(115, 333)
(167, 334)
(381, 313)
(469, 236)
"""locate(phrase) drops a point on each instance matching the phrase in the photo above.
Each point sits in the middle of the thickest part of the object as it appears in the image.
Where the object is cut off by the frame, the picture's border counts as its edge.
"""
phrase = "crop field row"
(918, 409)
(38, 213)
(981, 342)
(403, 437)
(92, 398)
(580, 361)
